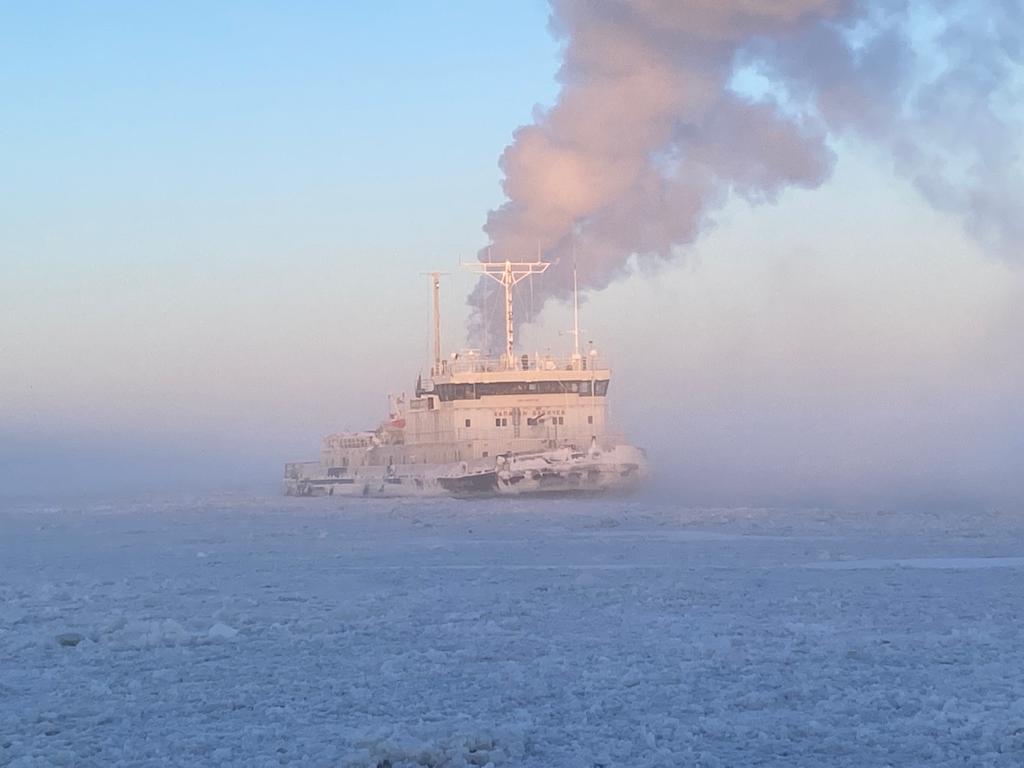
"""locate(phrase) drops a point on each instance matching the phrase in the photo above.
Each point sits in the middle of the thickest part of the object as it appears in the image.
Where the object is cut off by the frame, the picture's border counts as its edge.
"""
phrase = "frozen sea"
(248, 630)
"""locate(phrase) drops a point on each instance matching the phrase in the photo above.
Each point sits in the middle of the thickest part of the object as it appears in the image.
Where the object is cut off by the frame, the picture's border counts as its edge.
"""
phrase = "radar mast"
(509, 275)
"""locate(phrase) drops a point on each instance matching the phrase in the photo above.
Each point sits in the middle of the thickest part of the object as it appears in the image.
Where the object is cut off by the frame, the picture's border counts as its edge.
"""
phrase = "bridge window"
(590, 419)
(474, 391)
(468, 423)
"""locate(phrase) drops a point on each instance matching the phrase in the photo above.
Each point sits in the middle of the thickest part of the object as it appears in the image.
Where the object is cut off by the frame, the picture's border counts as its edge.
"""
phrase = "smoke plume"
(668, 108)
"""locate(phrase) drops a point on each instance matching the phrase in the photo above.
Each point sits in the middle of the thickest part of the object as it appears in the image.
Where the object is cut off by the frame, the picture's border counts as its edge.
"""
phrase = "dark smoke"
(648, 137)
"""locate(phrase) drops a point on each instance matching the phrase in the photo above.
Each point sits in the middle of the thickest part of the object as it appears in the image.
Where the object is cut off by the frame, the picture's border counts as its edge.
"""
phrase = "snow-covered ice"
(262, 631)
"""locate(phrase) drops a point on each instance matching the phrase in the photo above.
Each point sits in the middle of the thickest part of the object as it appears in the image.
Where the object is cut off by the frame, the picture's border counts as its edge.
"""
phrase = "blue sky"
(208, 129)
(213, 218)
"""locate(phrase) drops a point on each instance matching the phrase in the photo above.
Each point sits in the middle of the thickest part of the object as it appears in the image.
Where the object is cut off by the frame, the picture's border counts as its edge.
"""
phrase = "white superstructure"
(485, 426)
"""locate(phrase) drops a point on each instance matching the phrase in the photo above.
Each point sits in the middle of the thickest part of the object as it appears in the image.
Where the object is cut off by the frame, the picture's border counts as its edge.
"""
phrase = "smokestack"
(654, 129)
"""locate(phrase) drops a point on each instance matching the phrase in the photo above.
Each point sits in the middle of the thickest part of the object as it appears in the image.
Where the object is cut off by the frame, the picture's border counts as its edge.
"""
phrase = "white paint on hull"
(560, 472)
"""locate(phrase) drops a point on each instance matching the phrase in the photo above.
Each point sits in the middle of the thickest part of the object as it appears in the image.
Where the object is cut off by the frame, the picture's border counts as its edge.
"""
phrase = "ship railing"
(473, 363)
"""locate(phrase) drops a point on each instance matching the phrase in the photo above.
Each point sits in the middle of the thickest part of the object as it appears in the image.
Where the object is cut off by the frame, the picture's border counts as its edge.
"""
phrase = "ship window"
(450, 391)
(468, 422)
(497, 422)
(485, 454)
(531, 422)
(590, 419)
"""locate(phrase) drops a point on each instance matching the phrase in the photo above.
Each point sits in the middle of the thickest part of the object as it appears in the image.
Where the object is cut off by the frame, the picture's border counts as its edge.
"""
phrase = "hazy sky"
(213, 220)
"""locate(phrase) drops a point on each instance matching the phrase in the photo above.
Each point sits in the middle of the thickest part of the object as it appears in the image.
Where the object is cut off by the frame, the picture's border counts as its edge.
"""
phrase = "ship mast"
(508, 274)
(435, 284)
(435, 279)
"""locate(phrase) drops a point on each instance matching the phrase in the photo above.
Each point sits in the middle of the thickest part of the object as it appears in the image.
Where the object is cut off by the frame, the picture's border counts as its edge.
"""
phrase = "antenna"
(508, 274)
(486, 315)
(575, 307)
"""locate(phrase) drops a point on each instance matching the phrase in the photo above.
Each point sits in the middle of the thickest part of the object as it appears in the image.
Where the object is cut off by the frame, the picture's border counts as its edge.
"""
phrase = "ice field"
(264, 631)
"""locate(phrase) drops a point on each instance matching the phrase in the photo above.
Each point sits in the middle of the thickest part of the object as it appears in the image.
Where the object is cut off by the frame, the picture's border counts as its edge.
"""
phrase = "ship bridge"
(468, 376)
(480, 406)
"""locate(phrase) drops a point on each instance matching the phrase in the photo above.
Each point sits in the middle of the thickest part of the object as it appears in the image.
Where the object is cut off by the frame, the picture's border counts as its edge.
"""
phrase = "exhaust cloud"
(667, 109)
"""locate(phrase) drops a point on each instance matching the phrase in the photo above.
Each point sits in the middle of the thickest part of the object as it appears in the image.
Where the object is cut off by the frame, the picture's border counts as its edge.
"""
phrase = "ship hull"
(554, 473)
